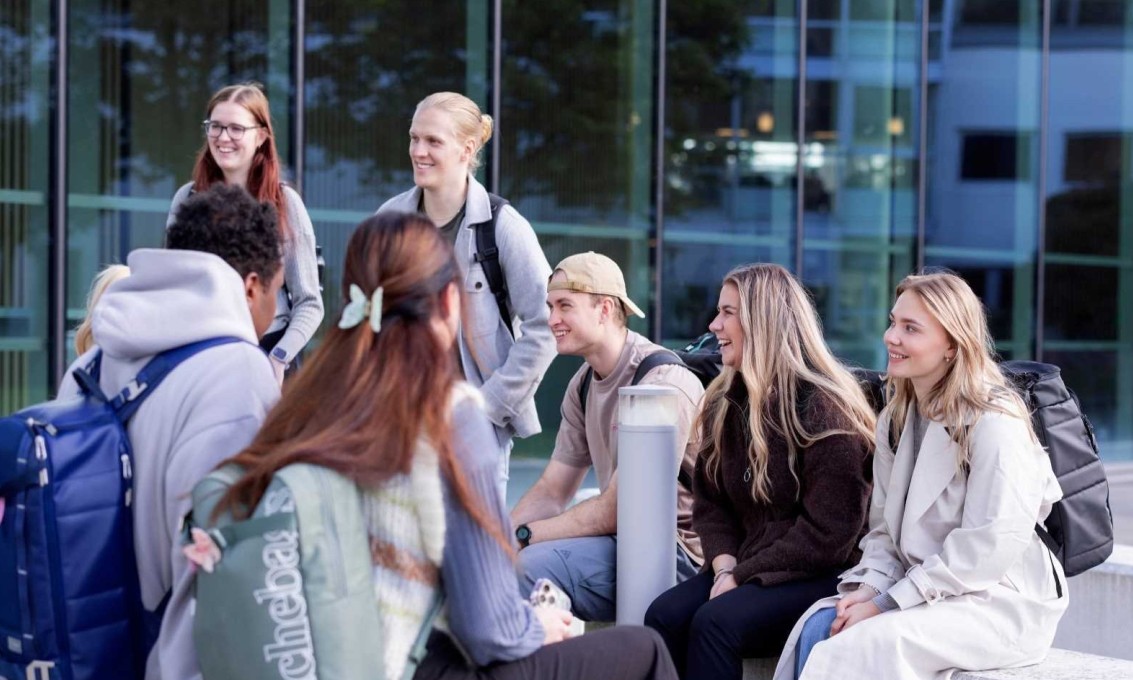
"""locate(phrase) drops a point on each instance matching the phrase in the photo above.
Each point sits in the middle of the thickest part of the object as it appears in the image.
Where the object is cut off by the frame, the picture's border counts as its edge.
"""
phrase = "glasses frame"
(207, 123)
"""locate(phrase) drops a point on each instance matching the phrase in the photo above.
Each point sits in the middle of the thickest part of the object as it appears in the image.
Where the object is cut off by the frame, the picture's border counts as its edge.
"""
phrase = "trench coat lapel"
(899, 478)
(935, 468)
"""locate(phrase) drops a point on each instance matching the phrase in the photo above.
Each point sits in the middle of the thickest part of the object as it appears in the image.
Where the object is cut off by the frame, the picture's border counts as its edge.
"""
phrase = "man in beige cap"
(576, 548)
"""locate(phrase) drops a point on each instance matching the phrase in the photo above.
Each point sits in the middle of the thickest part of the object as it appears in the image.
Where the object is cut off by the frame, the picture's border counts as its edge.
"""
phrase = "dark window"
(1093, 157)
(996, 156)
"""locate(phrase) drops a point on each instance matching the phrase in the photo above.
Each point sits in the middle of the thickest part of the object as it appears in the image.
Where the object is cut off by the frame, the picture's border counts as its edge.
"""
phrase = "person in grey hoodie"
(445, 139)
(218, 277)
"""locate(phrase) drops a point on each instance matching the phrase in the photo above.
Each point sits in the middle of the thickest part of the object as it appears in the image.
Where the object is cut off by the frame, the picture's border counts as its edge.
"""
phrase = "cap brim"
(634, 309)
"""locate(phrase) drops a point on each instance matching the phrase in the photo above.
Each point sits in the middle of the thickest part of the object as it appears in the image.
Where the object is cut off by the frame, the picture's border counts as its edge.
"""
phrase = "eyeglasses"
(235, 132)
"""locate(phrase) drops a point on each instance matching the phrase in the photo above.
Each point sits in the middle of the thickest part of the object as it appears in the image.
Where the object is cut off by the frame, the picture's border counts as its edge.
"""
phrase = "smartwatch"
(523, 535)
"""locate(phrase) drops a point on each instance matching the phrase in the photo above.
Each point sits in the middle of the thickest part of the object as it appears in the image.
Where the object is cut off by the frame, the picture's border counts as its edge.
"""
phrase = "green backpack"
(292, 596)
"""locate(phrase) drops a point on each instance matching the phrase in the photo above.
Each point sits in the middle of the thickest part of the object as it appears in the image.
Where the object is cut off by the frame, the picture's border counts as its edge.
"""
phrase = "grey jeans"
(586, 569)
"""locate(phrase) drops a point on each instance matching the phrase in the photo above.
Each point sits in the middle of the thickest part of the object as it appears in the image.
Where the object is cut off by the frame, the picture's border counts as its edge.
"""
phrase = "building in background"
(852, 141)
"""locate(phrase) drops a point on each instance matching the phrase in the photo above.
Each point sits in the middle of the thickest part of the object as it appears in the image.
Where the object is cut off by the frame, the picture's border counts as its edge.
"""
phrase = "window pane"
(859, 197)
(577, 144)
(1088, 301)
(730, 150)
(982, 194)
(24, 135)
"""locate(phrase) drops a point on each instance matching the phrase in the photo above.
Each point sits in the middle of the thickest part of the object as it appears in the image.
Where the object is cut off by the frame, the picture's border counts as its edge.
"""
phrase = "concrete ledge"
(1098, 618)
(1060, 664)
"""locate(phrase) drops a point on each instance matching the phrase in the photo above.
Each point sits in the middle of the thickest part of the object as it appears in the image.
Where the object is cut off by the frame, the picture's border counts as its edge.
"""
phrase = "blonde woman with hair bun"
(84, 338)
(506, 345)
(953, 575)
(781, 485)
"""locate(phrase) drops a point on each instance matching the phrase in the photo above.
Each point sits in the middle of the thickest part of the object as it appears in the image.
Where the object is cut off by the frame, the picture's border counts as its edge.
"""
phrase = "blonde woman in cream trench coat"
(956, 551)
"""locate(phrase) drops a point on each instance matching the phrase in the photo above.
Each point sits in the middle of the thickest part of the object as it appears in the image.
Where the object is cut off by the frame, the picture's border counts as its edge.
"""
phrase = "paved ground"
(524, 472)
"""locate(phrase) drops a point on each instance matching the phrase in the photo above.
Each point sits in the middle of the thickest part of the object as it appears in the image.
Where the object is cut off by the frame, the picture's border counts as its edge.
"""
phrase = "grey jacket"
(299, 308)
(506, 370)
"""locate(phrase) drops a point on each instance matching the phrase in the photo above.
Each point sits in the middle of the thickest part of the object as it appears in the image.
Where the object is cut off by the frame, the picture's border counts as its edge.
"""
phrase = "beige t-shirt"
(595, 441)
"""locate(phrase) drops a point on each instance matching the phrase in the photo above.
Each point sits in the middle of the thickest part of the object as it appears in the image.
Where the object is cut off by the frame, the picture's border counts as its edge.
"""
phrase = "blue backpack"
(70, 602)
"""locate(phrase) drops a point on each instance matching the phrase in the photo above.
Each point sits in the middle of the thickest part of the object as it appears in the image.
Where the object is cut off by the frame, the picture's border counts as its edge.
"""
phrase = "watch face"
(523, 533)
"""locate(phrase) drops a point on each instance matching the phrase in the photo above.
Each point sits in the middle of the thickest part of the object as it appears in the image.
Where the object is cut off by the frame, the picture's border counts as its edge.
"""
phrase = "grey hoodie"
(207, 409)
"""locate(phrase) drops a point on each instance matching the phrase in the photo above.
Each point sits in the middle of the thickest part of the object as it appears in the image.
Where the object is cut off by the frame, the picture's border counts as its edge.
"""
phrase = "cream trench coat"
(959, 553)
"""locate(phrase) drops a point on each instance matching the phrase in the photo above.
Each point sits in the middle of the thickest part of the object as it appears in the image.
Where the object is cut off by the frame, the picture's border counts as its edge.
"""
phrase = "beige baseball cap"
(595, 273)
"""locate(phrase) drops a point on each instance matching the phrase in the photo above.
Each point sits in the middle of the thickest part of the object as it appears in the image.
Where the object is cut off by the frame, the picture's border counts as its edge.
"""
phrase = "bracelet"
(721, 574)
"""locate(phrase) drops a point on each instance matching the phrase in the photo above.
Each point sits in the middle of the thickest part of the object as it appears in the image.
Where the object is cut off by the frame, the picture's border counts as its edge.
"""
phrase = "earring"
(947, 360)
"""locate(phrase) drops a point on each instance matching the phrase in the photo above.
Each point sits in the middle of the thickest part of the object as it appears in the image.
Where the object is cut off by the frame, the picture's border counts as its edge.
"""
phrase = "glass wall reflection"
(730, 151)
(141, 75)
(25, 43)
(1088, 250)
(983, 161)
(581, 132)
(577, 146)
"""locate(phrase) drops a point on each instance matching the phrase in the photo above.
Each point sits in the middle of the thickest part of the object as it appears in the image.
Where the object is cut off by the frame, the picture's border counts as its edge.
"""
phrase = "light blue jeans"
(815, 630)
(586, 569)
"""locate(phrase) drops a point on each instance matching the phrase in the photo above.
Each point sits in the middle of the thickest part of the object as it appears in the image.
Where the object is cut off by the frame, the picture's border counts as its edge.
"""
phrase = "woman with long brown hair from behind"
(384, 377)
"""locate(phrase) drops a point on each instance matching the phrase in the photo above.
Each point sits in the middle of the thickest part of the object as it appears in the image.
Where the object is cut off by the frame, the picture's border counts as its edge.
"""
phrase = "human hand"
(864, 593)
(556, 624)
(854, 615)
(722, 585)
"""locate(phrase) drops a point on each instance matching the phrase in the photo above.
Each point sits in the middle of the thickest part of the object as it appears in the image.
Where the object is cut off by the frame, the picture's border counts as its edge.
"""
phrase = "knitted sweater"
(423, 544)
(809, 527)
(406, 524)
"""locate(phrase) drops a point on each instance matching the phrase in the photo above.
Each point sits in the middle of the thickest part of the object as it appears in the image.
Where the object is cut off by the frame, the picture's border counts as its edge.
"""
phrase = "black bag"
(1079, 529)
(488, 255)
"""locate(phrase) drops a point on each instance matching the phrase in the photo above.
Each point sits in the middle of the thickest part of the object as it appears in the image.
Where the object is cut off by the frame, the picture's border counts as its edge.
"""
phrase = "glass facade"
(851, 141)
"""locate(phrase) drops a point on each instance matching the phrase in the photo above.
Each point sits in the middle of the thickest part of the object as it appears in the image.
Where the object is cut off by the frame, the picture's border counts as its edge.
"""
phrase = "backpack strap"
(488, 255)
(132, 396)
(663, 358)
(1052, 550)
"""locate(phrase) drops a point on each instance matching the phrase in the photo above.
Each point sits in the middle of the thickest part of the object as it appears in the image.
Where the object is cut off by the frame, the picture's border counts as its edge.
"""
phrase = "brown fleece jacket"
(790, 538)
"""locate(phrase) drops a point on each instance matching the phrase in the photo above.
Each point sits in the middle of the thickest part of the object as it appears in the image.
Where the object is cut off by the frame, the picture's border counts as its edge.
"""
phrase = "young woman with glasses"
(240, 149)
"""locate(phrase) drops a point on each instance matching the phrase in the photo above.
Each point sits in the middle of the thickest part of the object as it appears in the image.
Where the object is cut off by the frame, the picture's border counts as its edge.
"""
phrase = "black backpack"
(488, 255)
(1079, 529)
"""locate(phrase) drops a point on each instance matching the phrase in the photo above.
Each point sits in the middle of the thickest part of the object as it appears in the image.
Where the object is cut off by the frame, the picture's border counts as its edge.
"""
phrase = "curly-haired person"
(218, 277)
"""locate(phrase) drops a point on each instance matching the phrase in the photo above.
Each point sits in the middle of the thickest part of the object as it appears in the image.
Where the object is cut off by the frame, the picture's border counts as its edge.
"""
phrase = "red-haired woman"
(240, 149)
(382, 380)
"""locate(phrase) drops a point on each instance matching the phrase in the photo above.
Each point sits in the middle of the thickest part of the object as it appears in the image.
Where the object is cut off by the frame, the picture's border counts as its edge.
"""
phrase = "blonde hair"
(467, 120)
(84, 338)
(783, 351)
(972, 384)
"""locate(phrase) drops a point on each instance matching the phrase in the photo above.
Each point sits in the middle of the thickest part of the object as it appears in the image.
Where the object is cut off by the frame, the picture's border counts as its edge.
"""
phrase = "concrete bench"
(1060, 664)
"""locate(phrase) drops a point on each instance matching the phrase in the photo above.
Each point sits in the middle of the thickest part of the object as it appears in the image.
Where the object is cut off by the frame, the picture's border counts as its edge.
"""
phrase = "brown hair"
(264, 177)
(360, 404)
(783, 351)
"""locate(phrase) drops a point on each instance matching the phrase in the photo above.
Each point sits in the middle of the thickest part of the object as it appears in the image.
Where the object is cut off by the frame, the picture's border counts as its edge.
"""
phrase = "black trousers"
(621, 653)
(711, 638)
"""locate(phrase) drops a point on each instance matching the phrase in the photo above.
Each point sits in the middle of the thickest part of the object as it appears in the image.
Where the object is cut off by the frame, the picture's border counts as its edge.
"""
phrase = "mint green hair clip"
(359, 308)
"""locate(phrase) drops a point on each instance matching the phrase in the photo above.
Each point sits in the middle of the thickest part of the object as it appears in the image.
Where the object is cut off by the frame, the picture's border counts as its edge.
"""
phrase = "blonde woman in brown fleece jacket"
(781, 484)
